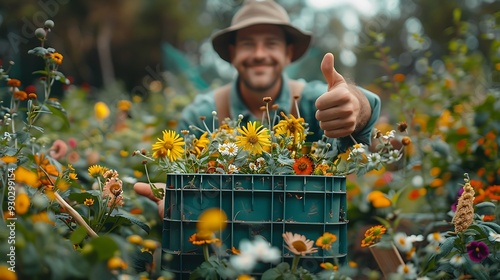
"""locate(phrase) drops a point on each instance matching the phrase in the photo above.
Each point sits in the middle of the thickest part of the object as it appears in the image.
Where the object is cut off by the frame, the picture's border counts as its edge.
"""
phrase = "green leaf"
(493, 226)
(477, 270)
(104, 246)
(22, 136)
(77, 236)
(41, 72)
(126, 220)
(55, 108)
(80, 197)
(446, 247)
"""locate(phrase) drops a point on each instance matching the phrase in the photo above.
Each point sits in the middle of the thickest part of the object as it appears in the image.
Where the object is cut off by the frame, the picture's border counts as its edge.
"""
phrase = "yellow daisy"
(291, 126)
(200, 144)
(170, 146)
(22, 203)
(96, 170)
(253, 139)
(88, 202)
(213, 220)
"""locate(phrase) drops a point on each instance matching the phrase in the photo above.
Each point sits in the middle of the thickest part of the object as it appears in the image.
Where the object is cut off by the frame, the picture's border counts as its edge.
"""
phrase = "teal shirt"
(204, 105)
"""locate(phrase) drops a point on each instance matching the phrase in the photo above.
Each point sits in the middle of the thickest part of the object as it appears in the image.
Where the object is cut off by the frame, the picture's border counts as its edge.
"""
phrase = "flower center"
(299, 246)
(169, 146)
(302, 166)
(253, 139)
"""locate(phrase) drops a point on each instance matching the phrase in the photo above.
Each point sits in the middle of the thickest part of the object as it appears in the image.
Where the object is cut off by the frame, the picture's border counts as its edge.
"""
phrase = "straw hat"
(261, 12)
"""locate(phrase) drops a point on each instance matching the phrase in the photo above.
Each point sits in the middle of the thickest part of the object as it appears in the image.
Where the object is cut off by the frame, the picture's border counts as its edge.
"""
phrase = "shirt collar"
(238, 107)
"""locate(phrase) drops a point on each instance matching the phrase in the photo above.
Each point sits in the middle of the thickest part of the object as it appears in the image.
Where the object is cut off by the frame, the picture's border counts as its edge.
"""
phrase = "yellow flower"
(200, 144)
(27, 177)
(88, 202)
(170, 146)
(101, 110)
(135, 239)
(325, 241)
(61, 184)
(253, 139)
(291, 126)
(116, 263)
(41, 217)
(379, 199)
(22, 203)
(245, 277)
(329, 266)
(150, 244)
(96, 170)
(8, 159)
(7, 274)
(298, 244)
(124, 105)
(212, 220)
(56, 57)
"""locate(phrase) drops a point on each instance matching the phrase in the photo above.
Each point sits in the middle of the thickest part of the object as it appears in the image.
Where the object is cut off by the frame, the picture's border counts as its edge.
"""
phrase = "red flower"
(303, 166)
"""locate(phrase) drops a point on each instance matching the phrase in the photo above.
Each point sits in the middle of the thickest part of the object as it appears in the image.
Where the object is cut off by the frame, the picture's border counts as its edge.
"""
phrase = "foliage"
(61, 226)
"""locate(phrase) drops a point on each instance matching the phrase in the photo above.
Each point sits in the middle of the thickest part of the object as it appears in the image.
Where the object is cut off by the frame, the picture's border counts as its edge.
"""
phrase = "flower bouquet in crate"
(270, 185)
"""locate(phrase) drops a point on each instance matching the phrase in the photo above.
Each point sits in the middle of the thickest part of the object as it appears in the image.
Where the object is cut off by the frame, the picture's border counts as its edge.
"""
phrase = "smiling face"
(260, 54)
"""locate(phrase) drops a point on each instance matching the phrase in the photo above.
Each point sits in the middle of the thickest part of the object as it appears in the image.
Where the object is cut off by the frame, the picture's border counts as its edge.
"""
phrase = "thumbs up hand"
(343, 109)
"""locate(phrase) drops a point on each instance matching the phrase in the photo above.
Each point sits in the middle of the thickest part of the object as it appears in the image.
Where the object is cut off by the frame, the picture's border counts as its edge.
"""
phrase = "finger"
(145, 190)
(331, 75)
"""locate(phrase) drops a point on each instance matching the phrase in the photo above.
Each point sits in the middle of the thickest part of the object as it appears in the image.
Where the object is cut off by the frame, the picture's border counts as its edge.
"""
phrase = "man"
(260, 43)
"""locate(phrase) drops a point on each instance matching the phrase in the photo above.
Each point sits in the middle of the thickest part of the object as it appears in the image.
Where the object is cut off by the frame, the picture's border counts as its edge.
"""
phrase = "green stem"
(205, 252)
(295, 263)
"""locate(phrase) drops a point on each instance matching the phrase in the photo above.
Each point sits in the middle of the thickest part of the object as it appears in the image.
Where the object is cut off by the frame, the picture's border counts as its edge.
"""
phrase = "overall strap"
(221, 97)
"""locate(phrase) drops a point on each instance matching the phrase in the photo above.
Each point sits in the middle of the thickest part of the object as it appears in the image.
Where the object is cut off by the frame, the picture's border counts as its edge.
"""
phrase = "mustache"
(259, 63)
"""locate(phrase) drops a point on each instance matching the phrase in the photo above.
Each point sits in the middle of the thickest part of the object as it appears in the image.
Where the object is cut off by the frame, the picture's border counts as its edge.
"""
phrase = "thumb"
(328, 69)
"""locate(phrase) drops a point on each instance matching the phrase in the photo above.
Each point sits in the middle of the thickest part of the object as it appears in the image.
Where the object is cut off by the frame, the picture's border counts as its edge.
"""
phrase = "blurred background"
(129, 43)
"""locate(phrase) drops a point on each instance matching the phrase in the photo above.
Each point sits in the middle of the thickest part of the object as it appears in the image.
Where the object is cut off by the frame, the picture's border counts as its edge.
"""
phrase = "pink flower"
(59, 149)
(72, 143)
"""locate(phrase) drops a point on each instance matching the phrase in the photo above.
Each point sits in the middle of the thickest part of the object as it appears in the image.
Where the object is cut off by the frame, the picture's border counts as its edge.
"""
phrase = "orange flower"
(399, 77)
(436, 183)
(56, 57)
(325, 241)
(379, 199)
(14, 83)
(493, 192)
(303, 166)
(20, 95)
(203, 237)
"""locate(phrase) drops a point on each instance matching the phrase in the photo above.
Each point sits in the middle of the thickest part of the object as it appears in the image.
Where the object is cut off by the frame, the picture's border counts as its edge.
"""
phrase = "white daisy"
(435, 238)
(232, 149)
(222, 149)
(494, 237)
(402, 241)
(457, 260)
(408, 271)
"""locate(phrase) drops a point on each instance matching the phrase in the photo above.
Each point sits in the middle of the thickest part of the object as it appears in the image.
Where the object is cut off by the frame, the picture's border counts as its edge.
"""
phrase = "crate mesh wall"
(265, 205)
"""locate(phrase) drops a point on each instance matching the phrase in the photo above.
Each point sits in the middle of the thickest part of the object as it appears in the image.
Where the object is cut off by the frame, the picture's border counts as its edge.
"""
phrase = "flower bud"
(40, 33)
(49, 24)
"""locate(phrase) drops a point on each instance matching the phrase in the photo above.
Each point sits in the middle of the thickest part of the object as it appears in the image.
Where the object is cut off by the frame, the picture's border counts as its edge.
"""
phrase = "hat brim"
(300, 40)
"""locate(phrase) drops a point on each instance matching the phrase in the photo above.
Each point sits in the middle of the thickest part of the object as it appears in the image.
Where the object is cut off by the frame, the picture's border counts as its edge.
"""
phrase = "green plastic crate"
(265, 205)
